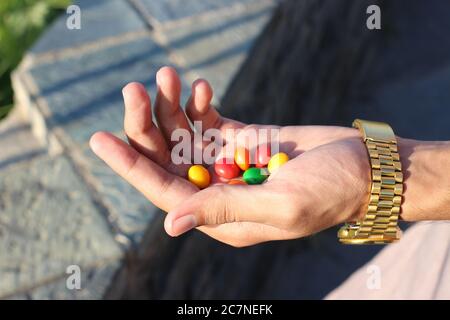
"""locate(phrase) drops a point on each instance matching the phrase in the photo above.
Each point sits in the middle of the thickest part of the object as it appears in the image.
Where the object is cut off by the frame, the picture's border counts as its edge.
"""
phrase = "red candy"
(262, 155)
(226, 168)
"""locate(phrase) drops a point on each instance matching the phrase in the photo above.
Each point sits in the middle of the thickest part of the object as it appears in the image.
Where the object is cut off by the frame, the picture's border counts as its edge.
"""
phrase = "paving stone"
(48, 219)
(417, 107)
(17, 142)
(215, 49)
(169, 10)
(94, 284)
(129, 210)
(84, 94)
(99, 19)
(48, 222)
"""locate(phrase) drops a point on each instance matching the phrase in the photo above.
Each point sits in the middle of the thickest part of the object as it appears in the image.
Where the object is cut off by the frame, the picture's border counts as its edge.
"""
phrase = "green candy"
(255, 175)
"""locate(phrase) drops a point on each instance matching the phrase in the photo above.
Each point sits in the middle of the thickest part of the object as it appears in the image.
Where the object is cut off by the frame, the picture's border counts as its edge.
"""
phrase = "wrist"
(426, 192)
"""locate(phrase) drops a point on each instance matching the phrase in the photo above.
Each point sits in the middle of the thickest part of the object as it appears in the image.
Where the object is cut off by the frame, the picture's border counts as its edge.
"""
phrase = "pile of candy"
(265, 164)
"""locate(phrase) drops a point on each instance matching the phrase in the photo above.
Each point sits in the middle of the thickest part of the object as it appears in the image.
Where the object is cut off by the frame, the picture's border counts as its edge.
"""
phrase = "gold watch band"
(379, 225)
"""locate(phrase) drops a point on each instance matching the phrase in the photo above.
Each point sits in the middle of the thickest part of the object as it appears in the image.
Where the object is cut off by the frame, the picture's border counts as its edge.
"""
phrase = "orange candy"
(242, 158)
(235, 182)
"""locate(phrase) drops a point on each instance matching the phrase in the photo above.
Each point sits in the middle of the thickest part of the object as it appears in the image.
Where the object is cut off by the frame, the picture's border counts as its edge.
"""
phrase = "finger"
(199, 108)
(167, 191)
(226, 204)
(168, 112)
(143, 135)
(162, 188)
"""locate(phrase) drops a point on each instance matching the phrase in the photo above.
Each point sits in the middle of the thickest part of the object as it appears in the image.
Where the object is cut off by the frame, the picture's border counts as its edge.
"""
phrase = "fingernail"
(183, 224)
(158, 76)
(125, 94)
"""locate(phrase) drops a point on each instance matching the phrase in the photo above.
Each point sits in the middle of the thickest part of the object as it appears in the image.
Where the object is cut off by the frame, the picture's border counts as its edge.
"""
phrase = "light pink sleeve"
(417, 267)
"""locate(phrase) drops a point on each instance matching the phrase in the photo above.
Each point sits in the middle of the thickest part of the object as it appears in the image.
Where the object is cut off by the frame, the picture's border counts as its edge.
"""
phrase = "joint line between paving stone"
(68, 148)
(234, 9)
(32, 60)
(139, 8)
(158, 29)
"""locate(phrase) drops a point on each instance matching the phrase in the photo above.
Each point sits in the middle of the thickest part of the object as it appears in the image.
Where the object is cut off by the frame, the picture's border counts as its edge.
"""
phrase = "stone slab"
(215, 49)
(17, 142)
(99, 19)
(164, 11)
(129, 210)
(48, 222)
(94, 284)
(84, 94)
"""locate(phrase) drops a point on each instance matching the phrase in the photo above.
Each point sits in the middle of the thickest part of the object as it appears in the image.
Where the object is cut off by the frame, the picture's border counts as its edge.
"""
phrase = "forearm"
(426, 167)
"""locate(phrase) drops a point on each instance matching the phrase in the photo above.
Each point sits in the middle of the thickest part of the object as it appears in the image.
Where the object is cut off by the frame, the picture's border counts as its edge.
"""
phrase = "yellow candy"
(199, 176)
(277, 161)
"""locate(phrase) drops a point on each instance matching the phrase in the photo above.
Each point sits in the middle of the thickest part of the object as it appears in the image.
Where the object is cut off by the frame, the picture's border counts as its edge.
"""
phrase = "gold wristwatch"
(379, 225)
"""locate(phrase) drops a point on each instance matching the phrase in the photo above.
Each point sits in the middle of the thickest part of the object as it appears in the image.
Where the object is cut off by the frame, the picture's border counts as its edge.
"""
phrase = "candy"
(262, 155)
(242, 158)
(226, 168)
(255, 175)
(199, 176)
(237, 182)
(277, 161)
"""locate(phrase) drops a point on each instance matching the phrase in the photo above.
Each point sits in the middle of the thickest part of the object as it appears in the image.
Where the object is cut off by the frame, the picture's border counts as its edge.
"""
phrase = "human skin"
(325, 183)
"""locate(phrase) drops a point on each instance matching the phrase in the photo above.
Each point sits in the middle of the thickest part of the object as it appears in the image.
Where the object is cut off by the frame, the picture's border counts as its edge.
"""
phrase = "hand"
(325, 182)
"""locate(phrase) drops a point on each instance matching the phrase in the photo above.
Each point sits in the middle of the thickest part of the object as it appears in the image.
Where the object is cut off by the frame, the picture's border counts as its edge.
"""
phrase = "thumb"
(224, 204)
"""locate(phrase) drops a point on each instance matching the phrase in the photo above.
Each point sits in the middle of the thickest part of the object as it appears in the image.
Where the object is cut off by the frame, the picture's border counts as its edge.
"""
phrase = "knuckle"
(220, 211)
(227, 213)
(131, 168)
(218, 121)
(164, 187)
(136, 132)
(210, 216)
(290, 220)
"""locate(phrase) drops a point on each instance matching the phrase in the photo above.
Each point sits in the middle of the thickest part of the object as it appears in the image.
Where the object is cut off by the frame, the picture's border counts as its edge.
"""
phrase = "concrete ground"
(60, 205)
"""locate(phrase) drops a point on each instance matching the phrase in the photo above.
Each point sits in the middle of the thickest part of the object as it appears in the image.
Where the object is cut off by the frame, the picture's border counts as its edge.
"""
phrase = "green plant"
(21, 22)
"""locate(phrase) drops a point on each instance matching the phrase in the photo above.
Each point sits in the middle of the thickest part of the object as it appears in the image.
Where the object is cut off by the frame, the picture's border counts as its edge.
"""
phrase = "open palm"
(324, 183)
